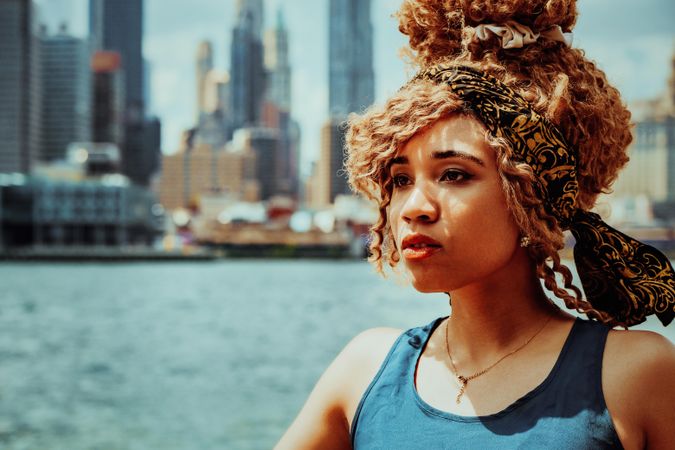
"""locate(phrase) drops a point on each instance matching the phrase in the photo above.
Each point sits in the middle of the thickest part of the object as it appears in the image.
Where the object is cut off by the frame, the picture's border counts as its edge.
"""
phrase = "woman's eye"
(455, 175)
(400, 180)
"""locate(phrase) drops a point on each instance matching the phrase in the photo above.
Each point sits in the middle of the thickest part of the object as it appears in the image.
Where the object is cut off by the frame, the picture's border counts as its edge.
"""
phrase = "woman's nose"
(420, 206)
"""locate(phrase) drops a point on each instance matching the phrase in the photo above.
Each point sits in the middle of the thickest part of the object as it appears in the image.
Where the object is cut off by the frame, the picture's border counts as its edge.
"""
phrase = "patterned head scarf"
(621, 276)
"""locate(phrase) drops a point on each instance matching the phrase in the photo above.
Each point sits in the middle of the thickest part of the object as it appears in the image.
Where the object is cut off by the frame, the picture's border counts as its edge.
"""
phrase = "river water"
(198, 355)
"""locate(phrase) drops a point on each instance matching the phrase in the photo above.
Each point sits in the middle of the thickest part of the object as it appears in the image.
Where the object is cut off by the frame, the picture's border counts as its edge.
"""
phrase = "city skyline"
(634, 53)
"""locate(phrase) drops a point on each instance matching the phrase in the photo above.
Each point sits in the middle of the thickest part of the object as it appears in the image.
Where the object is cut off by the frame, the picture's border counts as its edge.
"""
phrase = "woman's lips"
(418, 253)
(418, 246)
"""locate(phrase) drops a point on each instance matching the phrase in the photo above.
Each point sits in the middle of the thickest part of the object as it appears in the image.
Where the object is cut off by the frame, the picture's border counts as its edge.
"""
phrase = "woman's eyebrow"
(457, 154)
(399, 160)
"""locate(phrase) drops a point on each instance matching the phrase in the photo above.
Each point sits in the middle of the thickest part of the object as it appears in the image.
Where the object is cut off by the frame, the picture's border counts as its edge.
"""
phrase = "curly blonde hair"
(560, 84)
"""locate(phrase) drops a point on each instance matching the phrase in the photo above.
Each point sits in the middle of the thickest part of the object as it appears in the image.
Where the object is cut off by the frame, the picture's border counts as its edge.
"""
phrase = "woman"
(503, 141)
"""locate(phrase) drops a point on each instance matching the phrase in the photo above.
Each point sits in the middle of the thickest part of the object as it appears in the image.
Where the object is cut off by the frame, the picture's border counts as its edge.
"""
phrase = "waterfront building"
(20, 96)
(247, 72)
(329, 178)
(66, 88)
(350, 57)
(103, 212)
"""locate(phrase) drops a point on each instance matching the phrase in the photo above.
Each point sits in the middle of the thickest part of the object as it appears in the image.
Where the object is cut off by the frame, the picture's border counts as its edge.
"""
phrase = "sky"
(633, 42)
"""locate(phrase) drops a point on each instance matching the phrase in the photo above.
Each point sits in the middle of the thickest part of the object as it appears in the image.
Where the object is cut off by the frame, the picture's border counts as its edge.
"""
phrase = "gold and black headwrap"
(621, 276)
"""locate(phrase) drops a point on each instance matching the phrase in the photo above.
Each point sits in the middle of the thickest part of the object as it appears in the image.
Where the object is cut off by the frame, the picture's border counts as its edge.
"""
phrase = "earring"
(525, 241)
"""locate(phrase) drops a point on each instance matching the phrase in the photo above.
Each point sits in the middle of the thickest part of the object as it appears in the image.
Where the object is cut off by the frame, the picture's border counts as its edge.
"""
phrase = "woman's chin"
(428, 286)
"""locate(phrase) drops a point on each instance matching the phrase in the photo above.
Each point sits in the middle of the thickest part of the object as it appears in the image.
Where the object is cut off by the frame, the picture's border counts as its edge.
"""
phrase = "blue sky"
(632, 41)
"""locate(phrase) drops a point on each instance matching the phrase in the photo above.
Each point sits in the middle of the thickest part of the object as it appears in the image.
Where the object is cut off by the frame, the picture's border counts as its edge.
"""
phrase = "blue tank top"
(566, 411)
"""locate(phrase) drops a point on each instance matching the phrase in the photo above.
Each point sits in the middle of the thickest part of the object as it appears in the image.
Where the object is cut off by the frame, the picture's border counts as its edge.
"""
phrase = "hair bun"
(435, 27)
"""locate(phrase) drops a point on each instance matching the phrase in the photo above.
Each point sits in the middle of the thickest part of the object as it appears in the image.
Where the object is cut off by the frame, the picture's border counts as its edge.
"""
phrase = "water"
(180, 355)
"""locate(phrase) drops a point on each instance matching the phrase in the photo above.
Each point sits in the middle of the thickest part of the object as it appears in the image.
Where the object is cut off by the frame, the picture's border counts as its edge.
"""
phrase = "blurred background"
(180, 256)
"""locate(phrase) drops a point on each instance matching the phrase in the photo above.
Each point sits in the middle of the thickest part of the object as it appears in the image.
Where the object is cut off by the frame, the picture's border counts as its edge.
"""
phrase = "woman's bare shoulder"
(325, 419)
(639, 384)
(363, 356)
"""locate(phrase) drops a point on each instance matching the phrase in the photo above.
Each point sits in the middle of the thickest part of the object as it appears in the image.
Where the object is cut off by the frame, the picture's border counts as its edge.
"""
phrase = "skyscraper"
(330, 181)
(118, 25)
(350, 57)
(66, 87)
(107, 124)
(20, 119)
(277, 111)
(204, 65)
(277, 65)
(246, 67)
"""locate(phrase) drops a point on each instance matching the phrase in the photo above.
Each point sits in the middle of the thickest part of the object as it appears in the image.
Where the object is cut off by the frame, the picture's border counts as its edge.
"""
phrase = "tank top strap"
(580, 364)
(397, 369)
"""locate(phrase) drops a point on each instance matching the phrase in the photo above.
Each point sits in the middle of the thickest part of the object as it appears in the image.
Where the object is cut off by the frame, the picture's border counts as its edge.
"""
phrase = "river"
(198, 355)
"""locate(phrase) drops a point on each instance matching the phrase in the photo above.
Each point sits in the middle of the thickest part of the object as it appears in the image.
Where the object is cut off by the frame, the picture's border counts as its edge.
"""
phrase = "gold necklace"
(463, 381)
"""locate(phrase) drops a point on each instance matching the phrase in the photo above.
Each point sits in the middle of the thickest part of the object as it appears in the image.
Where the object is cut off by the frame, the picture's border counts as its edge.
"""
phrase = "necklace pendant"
(463, 382)
(458, 400)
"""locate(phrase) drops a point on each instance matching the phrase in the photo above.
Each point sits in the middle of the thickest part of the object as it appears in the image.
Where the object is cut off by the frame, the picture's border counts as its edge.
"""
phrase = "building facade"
(350, 57)
(107, 123)
(41, 212)
(329, 178)
(204, 65)
(247, 72)
(66, 87)
(277, 109)
(202, 170)
(20, 87)
(277, 65)
(117, 25)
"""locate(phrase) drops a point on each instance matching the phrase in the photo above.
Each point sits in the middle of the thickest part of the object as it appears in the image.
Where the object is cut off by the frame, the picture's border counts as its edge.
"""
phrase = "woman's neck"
(491, 317)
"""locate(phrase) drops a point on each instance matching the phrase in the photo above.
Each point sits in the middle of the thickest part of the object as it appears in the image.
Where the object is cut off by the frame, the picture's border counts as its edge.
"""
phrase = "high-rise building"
(20, 96)
(277, 109)
(66, 87)
(264, 143)
(118, 25)
(203, 67)
(212, 99)
(107, 125)
(330, 181)
(247, 86)
(350, 57)
(651, 169)
(277, 65)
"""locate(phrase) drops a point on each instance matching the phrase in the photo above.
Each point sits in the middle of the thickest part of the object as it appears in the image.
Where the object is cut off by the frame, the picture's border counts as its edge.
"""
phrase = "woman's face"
(448, 212)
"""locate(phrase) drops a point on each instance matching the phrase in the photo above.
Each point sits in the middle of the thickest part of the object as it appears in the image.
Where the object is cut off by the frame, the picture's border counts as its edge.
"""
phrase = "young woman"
(501, 142)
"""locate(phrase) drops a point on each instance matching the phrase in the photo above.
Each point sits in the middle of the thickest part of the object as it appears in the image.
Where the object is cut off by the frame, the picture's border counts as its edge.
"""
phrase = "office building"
(204, 65)
(247, 72)
(107, 98)
(350, 57)
(329, 178)
(117, 25)
(20, 87)
(66, 87)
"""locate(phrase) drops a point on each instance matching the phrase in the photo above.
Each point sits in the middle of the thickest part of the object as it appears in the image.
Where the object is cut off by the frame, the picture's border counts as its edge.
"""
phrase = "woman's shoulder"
(639, 351)
(639, 381)
(362, 358)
